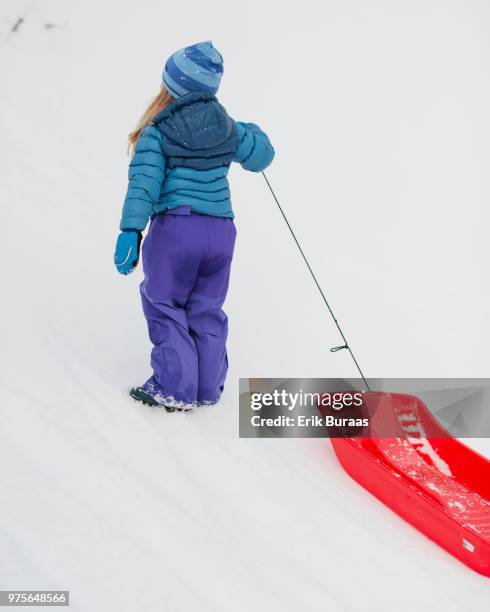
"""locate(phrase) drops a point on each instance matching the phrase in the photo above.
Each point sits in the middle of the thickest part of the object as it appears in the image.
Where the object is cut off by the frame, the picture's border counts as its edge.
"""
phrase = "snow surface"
(385, 132)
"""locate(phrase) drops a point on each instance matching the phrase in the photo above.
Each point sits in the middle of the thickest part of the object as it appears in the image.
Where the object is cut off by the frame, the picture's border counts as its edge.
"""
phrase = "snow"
(133, 509)
(423, 445)
(480, 445)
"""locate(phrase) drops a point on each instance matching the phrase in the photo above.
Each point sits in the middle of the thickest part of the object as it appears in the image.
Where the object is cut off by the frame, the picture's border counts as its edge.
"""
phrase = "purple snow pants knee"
(186, 263)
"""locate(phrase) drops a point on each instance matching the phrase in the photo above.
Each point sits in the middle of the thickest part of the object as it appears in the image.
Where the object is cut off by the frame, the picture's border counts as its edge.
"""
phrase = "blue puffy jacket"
(183, 158)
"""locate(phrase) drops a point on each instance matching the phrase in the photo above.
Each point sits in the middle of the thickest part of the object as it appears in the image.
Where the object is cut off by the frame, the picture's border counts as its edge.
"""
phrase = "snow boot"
(140, 395)
(150, 395)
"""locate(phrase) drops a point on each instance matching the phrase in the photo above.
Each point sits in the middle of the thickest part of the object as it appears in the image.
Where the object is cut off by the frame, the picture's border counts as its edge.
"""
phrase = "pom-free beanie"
(197, 68)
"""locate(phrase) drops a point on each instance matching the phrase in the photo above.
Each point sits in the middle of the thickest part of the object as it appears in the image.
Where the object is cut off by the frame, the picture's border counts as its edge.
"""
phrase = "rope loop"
(334, 349)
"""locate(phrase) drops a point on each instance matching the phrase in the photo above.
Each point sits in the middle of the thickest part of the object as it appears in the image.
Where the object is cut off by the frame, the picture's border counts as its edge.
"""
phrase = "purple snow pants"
(186, 263)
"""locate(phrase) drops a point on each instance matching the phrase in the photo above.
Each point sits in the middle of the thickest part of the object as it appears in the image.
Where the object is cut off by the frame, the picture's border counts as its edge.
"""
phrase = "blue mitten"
(127, 251)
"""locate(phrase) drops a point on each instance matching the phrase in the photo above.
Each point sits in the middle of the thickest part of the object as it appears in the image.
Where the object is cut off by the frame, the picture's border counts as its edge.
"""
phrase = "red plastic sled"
(430, 479)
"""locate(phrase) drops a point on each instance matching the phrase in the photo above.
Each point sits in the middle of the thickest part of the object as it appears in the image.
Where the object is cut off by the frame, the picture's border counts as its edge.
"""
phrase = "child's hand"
(127, 251)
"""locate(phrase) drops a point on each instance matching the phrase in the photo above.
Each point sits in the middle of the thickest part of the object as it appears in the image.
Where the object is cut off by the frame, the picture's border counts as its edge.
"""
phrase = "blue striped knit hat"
(197, 68)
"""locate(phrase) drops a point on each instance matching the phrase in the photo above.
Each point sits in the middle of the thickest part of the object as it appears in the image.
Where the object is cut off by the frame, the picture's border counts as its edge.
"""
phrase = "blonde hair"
(161, 101)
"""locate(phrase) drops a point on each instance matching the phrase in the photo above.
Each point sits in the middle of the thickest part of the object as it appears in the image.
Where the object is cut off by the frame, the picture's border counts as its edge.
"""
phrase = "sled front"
(436, 483)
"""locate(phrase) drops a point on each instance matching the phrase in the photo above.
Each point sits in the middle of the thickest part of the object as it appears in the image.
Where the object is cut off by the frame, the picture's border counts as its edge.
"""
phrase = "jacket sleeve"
(145, 177)
(254, 151)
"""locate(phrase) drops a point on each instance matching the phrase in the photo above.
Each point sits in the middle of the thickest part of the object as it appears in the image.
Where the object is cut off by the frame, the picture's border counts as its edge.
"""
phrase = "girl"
(182, 149)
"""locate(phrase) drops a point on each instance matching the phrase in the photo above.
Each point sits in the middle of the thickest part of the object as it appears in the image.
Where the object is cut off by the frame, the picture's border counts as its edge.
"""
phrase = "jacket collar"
(179, 103)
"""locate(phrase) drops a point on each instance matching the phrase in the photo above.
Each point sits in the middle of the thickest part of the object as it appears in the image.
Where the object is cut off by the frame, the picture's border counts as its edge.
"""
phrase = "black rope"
(335, 348)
